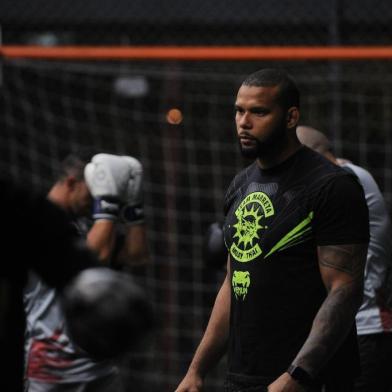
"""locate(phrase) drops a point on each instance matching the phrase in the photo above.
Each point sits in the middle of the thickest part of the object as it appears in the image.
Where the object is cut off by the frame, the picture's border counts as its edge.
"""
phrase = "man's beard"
(271, 144)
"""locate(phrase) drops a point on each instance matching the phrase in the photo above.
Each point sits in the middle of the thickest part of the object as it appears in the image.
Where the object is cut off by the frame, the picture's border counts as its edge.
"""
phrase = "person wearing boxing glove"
(115, 182)
(116, 185)
(103, 185)
(133, 254)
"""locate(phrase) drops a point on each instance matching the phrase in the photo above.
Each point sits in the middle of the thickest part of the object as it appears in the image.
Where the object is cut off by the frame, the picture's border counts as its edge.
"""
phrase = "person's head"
(70, 190)
(316, 140)
(267, 112)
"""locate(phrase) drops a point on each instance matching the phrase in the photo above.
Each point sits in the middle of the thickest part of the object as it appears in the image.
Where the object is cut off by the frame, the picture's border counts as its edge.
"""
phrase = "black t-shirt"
(275, 219)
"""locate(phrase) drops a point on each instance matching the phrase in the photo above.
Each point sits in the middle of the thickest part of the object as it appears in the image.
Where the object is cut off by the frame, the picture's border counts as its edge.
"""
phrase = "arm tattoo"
(344, 258)
(336, 315)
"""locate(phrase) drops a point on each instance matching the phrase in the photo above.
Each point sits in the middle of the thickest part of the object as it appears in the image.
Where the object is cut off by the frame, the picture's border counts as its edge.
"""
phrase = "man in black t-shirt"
(297, 231)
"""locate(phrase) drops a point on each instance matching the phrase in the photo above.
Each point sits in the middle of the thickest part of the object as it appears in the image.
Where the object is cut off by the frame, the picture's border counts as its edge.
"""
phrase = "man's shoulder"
(363, 175)
(310, 159)
(314, 169)
(375, 199)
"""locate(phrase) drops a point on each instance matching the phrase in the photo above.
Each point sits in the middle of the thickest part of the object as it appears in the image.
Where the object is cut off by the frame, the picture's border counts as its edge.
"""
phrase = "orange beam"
(198, 52)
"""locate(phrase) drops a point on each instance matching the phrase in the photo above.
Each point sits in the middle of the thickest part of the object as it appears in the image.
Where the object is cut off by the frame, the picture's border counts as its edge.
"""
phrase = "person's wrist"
(132, 213)
(195, 371)
(301, 376)
(106, 208)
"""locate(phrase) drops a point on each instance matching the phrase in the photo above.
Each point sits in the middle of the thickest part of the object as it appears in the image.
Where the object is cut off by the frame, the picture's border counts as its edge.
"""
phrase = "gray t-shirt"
(50, 354)
(374, 316)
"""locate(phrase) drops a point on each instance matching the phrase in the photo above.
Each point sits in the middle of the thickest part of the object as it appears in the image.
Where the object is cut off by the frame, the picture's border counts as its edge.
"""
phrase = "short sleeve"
(341, 215)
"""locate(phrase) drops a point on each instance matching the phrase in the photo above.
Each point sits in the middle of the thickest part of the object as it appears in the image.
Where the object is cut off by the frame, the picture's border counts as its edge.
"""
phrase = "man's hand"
(285, 383)
(115, 181)
(191, 383)
(132, 211)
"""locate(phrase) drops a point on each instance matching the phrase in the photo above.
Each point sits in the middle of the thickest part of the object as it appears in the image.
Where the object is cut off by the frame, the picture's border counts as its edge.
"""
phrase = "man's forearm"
(100, 239)
(342, 269)
(214, 342)
(134, 253)
(330, 327)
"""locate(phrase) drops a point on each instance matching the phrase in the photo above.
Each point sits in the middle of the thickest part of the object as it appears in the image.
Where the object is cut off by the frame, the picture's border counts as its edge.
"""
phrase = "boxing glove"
(107, 178)
(132, 211)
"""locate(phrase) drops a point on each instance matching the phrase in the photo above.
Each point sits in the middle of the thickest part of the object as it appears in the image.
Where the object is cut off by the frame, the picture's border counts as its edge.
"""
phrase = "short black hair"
(269, 77)
(74, 163)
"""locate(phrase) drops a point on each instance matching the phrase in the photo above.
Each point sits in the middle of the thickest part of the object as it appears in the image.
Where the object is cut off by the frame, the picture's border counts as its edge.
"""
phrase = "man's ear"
(71, 181)
(292, 117)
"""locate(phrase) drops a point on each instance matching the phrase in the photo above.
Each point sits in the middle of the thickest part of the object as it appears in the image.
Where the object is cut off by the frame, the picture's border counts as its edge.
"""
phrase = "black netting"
(201, 22)
(48, 108)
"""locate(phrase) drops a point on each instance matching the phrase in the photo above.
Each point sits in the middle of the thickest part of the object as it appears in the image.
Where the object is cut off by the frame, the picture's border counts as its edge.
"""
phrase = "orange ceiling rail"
(195, 53)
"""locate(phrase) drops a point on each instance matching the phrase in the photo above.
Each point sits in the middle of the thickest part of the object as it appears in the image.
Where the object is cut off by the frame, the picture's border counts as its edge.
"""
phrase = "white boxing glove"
(132, 211)
(107, 178)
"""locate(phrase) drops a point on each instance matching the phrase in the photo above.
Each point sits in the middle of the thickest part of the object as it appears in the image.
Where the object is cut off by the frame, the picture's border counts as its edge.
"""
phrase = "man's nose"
(245, 121)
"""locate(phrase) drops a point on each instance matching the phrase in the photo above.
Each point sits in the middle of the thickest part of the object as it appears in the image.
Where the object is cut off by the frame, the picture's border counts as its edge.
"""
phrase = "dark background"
(255, 22)
(48, 108)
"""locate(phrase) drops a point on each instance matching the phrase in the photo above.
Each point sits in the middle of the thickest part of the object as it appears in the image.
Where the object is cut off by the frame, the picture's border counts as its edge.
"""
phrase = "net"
(50, 108)
(332, 22)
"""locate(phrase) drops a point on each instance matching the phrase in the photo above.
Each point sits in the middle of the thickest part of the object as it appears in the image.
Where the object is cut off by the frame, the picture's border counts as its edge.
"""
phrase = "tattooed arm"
(342, 269)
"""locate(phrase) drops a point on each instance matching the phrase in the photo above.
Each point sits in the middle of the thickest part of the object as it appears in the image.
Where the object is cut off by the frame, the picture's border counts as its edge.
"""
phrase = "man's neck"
(276, 157)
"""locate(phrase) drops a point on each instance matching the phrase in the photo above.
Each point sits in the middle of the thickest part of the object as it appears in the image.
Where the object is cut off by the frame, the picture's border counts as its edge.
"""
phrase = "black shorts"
(240, 383)
(376, 358)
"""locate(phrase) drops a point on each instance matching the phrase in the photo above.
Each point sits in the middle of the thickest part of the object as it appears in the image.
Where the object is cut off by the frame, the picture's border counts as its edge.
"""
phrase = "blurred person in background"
(297, 250)
(374, 318)
(47, 235)
(112, 185)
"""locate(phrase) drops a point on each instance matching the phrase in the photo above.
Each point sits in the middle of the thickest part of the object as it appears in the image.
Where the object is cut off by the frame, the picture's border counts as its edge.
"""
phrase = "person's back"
(374, 318)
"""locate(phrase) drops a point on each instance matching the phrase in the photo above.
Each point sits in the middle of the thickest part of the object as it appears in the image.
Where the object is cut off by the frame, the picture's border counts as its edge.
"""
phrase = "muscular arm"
(213, 343)
(135, 252)
(342, 269)
(101, 239)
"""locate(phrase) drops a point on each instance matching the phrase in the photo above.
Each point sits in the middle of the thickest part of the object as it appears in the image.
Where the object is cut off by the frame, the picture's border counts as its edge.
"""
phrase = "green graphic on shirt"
(293, 237)
(249, 213)
(240, 282)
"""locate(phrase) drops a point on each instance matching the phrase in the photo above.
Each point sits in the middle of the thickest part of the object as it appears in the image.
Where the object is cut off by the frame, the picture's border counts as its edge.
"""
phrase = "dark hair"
(288, 91)
(74, 163)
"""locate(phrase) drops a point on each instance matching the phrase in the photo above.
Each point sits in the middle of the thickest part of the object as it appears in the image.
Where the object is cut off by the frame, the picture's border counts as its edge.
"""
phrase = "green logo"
(300, 233)
(240, 282)
(249, 213)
